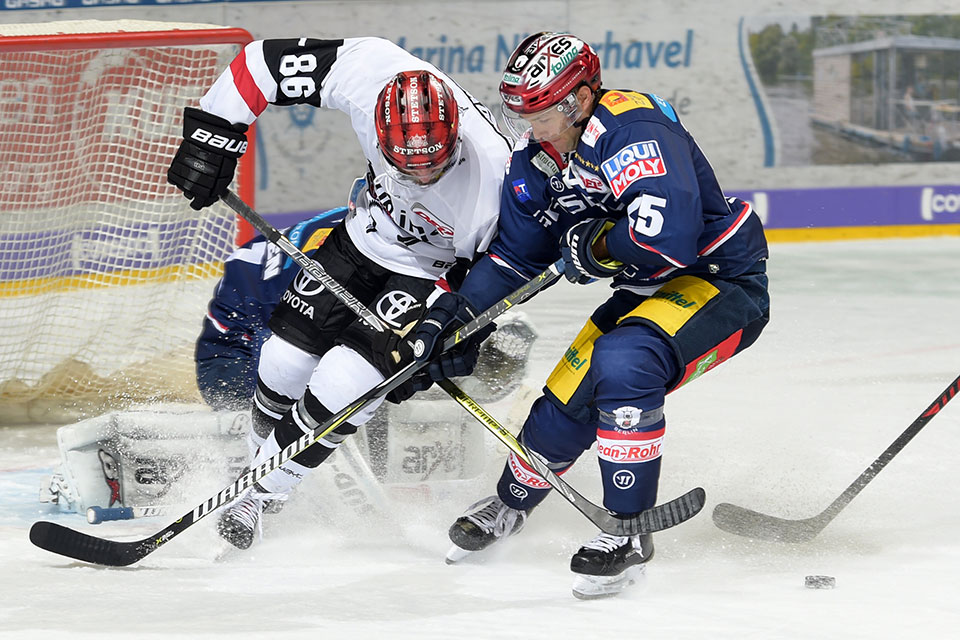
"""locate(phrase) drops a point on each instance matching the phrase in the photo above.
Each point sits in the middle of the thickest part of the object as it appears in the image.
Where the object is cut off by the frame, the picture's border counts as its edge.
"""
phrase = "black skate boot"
(608, 564)
(241, 519)
(484, 523)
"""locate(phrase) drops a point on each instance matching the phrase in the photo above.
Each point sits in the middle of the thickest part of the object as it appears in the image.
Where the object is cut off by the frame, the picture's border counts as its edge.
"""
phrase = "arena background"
(773, 92)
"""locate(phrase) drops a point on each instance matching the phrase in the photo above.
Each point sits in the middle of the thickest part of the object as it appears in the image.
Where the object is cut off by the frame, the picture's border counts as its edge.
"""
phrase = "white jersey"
(416, 231)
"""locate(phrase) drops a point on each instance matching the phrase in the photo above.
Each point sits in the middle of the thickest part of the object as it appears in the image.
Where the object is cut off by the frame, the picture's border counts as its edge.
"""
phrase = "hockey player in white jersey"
(435, 164)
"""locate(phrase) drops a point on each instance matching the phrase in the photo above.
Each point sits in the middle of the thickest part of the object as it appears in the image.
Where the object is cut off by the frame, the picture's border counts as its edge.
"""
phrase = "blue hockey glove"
(580, 265)
(461, 359)
(449, 312)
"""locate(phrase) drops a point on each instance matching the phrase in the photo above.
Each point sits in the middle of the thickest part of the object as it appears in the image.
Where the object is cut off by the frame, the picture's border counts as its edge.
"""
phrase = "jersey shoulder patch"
(617, 102)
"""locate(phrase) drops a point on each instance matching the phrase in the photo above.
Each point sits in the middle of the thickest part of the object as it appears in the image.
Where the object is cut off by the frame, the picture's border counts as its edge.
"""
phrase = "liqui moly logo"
(933, 202)
(633, 162)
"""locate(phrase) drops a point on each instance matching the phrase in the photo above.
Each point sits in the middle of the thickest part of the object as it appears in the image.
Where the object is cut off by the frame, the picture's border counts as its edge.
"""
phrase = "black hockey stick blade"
(80, 546)
(656, 518)
(75, 544)
(759, 526)
(752, 524)
(663, 516)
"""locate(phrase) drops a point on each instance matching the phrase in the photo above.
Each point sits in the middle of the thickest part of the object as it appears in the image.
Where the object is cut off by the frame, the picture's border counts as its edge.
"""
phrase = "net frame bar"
(65, 41)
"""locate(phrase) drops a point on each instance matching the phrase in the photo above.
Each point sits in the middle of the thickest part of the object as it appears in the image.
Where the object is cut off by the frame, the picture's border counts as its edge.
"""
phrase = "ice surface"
(863, 338)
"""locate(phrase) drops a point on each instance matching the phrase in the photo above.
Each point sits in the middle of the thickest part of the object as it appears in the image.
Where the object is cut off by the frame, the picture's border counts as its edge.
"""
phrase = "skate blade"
(593, 587)
(456, 554)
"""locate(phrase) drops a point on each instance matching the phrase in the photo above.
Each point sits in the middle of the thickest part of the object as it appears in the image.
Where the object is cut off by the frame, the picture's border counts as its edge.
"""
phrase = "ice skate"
(608, 564)
(241, 519)
(484, 523)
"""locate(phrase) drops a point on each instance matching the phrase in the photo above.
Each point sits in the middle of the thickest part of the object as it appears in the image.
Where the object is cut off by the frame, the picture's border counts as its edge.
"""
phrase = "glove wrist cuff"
(585, 258)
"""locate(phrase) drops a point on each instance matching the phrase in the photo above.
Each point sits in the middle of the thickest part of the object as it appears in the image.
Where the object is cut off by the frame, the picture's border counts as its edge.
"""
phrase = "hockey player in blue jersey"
(235, 327)
(612, 182)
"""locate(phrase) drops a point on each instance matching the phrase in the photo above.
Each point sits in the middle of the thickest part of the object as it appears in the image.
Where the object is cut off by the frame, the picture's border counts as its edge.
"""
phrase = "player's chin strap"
(656, 518)
(311, 267)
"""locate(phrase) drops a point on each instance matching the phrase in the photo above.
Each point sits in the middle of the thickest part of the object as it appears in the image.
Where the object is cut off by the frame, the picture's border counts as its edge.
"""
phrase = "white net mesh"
(105, 271)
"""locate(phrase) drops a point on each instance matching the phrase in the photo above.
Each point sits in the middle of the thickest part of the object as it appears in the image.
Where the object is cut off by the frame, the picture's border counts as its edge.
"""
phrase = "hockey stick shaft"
(96, 515)
(654, 519)
(746, 522)
(68, 542)
(311, 267)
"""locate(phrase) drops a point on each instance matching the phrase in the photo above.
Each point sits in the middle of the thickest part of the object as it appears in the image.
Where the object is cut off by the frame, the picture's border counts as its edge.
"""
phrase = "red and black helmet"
(418, 127)
(543, 71)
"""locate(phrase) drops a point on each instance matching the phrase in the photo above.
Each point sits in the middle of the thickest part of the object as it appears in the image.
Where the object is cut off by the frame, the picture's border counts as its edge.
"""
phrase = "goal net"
(105, 270)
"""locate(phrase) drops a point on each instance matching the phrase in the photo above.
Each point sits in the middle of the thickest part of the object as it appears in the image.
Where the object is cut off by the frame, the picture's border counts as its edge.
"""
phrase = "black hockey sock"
(311, 413)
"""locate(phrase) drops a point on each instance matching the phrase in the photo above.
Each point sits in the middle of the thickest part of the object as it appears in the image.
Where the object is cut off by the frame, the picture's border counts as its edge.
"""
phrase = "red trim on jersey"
(710, 248)
(245, 85)
(553, 153)
(729, 232)
(497, 260)
(642, 245)
(219, 326)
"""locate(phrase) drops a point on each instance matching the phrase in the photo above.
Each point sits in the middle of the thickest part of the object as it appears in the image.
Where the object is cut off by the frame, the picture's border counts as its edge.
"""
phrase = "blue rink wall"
(807, 182)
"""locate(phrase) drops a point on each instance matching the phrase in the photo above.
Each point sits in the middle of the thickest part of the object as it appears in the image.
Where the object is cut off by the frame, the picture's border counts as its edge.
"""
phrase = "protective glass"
(544, 125)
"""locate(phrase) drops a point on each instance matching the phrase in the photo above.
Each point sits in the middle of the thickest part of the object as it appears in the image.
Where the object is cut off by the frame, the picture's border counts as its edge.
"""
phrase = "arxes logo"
(552, 61)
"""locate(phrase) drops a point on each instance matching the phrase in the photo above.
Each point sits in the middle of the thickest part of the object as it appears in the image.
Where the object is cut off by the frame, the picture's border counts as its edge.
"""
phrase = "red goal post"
(105, 270)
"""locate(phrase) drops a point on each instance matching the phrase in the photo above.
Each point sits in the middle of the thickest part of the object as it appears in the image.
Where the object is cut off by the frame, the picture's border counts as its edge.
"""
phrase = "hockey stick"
(311, 267)
(96, 515)
(81, 546)
(658, 518)
(745, 522)
(354, 469)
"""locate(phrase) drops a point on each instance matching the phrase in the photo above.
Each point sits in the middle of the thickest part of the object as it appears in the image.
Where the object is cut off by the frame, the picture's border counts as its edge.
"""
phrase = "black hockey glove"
(207, 158)
(449, 312)
(580, 266)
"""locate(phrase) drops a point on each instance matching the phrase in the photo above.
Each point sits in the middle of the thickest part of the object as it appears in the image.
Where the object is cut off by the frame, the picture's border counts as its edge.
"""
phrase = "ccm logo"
(219, 142)
(931, 203)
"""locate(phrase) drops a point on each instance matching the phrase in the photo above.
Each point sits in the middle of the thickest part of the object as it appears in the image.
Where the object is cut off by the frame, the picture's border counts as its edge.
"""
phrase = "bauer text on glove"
(207, 158)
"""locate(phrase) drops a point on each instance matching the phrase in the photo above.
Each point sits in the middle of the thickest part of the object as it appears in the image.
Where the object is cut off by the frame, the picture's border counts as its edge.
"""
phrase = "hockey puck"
(819, 582)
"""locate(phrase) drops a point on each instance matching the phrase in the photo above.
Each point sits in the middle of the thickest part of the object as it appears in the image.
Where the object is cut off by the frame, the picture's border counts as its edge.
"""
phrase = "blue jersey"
(254, 278)
(637, 164)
